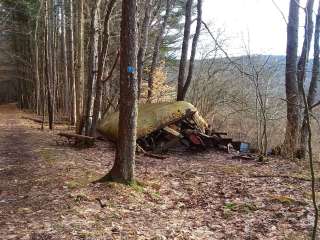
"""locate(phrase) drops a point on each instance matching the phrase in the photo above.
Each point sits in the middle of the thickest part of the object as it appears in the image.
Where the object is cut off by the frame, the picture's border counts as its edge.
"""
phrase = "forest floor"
(46, 192)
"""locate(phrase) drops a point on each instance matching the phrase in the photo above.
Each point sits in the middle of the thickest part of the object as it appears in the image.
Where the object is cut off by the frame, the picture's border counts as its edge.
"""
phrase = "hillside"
(46, 192)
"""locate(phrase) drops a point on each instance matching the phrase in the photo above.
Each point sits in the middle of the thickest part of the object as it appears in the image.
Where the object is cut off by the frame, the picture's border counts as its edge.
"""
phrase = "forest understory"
(46, 192)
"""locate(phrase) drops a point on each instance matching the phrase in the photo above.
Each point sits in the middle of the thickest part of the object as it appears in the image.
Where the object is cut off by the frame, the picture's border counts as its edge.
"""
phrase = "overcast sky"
(257, 20)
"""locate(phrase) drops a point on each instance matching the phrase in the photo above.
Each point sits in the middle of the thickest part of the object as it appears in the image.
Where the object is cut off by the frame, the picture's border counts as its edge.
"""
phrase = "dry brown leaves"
(46, 193)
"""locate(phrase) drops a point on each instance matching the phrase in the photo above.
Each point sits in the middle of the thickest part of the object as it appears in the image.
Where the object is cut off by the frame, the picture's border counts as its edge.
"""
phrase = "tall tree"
(93, 65)
(101, 66)
(156, 50)
(193, 49)
(79, 79)
(65, 55)
(123, 168)
(71, 71)
(292, 94)
(36, 61)
(307, 101)
(143, 43)
(301, 69)
(185, 48)
(313, 86)
(48, 62)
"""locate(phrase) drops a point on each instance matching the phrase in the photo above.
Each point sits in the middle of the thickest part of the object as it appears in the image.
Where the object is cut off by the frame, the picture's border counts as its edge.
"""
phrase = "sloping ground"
(46, 193)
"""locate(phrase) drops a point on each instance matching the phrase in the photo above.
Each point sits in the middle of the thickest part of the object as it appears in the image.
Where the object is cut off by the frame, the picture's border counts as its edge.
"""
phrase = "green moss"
(90, 176)
(230, 206)
(157, 194)
(240, 207)
(137, 186)
(48, 155)
(247, 207)
(74, 184)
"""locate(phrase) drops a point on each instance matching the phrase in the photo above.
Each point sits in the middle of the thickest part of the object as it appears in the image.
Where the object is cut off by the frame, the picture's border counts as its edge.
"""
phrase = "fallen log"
(281, 176)
(33, 119)
(78, 140)
(37, 120)
(244, 157)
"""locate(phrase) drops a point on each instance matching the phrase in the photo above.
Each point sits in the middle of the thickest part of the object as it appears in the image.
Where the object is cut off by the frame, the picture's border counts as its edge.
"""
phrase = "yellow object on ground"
(152, 117)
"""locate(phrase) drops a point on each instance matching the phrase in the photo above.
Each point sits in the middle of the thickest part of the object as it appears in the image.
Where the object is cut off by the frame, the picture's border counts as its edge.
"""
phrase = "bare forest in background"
(74, 63)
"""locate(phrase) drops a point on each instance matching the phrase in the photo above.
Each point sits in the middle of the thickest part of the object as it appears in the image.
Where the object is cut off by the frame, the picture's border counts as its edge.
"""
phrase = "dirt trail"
(46, 193)
(37, 178)
(21, 193)
(18, 163)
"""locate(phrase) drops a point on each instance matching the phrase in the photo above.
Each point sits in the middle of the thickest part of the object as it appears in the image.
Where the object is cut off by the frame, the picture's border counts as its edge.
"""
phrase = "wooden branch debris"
(38, 120)
(148, 154)
(244, 157)
(102, 205)
(281, 176)
(33, 119)
(78, 140)
(168, 126)
(173, 132)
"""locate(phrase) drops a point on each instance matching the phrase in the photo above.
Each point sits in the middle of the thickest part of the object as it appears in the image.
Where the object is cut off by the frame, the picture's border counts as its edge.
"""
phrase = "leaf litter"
(46, 192)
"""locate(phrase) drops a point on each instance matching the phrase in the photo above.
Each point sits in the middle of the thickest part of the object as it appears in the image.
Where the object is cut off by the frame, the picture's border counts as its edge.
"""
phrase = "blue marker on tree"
(131, 69)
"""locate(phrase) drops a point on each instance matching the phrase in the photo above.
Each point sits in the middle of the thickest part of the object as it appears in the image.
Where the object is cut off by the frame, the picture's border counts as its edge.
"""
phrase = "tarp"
(151, 117)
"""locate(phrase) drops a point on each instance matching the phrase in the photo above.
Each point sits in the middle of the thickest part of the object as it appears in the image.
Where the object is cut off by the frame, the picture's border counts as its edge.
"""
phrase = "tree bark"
(312, 172)
(303, 60)
(292, 94)
(313, 86)
(123, 168)
(156, 51)
(184, 51)
(301, 70)
(48, 74)
(101, 67)
(93, 65)
(193, 50)
(71, 72)
(36, 62)
(79, 79)
(143, 43)
(65, 57)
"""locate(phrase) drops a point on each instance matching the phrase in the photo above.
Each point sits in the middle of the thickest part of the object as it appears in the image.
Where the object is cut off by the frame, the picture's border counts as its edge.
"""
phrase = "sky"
(255, 23)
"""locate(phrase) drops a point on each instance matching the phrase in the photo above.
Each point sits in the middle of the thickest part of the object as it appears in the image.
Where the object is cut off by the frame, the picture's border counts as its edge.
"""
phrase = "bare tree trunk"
(143, 43)
(313, 86)
(301, 71)
(36, 61)
(193, 50)
(54, 53)
(156, 51)
(79, 79)
(101, 66)
(292, 94)
(48, 64)
(65, 57)
(185, 48)
(123, 168)
(71, 71)
(93, 65)
(312, 172)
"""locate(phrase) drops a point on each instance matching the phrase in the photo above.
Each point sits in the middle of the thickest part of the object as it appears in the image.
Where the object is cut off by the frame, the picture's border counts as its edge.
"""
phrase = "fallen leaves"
(185, 196)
